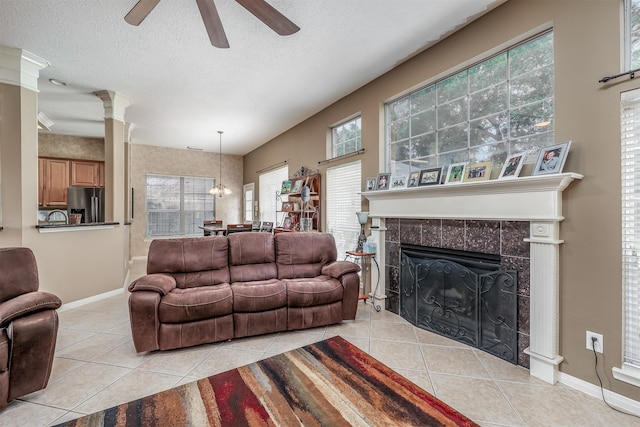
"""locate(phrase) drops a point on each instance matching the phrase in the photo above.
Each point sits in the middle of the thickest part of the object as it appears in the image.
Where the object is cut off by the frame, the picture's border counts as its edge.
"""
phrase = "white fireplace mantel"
(521, 199)
(537, 199)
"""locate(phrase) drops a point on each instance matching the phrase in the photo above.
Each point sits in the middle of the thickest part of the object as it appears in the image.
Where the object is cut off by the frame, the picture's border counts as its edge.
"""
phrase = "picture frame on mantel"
(477, 172)
(551, 159)
(383, 181)
(455, 173)
(431, 176)
(414, 179)
(371, 183)
(512, 166)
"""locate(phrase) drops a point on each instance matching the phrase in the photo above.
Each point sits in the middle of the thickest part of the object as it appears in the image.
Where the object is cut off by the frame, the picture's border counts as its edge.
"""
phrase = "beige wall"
(587, 47)
(70, 147)
(169, 161)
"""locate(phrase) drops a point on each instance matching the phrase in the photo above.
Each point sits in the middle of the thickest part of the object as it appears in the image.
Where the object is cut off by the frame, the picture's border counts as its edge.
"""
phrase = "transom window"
(500, 106)
(345, 138)
(177, 205)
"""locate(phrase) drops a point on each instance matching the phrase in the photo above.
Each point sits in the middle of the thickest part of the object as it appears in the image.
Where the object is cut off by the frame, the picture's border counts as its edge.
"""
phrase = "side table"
(362, 258)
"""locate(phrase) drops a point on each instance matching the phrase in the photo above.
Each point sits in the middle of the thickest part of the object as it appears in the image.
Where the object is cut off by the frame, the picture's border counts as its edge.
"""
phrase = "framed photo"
(399, 181)
(551, 159)
(455, 174)
(287, 207)
(286, 224)
(512, 166)
(430, 176)
(383, 181)
(477, 172)
(371, 183)
(286, 187)
(297, 186)
(414, 179)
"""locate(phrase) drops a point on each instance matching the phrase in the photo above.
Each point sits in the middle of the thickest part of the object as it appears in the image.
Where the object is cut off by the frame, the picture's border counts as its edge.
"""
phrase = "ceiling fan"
(259, 8)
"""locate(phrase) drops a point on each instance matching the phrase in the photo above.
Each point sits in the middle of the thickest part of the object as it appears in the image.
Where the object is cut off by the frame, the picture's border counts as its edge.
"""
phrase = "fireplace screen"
(461, 295)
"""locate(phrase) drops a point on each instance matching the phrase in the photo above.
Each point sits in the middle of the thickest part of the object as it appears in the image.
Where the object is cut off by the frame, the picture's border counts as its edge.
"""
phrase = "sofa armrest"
(25, 304)
(160, 283)
(340, 268)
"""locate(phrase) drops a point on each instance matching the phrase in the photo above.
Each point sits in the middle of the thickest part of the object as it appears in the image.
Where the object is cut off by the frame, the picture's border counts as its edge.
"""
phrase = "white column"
(544, 300)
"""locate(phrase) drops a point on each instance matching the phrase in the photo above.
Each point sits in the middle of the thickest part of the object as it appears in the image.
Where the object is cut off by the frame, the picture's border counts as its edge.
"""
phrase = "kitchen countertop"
(73, 227)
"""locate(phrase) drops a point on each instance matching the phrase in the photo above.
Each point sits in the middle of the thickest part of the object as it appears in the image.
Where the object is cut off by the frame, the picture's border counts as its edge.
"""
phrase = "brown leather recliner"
(28, 326)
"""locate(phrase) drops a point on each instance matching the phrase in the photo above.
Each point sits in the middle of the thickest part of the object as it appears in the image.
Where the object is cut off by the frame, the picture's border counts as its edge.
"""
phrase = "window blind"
(343, 201)
(630, 118)
(270, 183)
(177, 205)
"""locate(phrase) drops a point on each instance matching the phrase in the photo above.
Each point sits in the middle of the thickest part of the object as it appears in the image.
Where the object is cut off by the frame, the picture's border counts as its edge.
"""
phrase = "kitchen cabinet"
(86, 173)
(40, 182)
(55, 173)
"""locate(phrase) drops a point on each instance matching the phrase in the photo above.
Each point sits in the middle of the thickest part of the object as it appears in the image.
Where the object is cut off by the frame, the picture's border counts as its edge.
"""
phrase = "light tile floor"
(96, 367)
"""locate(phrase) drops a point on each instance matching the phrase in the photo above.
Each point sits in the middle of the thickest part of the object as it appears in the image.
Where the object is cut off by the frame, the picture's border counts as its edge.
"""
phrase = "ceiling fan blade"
(270, 16)
(212, 23)
(140, 11)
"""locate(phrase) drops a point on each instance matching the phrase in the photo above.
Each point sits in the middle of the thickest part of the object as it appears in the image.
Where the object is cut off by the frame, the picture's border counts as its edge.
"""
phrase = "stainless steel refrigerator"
(87, 201)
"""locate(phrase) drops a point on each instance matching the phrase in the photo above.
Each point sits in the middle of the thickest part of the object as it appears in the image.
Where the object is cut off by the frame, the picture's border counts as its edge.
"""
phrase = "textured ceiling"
(183, 89)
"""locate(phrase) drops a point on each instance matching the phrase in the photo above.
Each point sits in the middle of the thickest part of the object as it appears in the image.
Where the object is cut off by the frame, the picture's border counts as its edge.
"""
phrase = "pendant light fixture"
(220, 189)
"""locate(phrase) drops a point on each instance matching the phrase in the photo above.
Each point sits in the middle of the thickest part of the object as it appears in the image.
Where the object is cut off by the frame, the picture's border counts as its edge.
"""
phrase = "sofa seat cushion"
(262, 295)
(191, 304)
(314, 291)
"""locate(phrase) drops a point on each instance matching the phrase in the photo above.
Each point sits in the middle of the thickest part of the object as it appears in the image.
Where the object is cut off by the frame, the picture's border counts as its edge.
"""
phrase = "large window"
(248, 196)
(270, 186)
(345, 137)
(343, 201)
(500, 106)
(177, 205)
(630, 112)
(632, 34)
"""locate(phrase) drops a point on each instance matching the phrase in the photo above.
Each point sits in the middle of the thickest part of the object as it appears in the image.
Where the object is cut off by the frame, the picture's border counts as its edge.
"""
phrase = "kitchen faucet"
(64, 213)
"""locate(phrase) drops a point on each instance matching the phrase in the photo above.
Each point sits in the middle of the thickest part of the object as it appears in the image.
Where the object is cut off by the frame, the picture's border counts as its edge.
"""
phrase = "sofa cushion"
(190, 255)
(188, 305)
(252, 297)
(251, 257)
(302, 255)
(313, 291)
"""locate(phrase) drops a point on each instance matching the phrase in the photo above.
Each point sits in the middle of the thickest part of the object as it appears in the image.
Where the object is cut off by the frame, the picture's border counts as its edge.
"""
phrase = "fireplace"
(461, 295)
(535, 201)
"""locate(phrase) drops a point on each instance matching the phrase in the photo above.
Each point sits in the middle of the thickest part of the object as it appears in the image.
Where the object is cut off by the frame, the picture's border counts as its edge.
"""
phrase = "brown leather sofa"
(208, 289)
(28, 326)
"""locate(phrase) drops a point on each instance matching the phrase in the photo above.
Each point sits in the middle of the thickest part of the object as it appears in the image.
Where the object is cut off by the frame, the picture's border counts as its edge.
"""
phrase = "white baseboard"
(81, 302)
(138, 258)
(614, 399)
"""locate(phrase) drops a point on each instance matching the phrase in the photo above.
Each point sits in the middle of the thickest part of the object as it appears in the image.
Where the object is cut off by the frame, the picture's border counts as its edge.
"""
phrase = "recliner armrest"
(25, 304)
(160, 283)
(339, 268)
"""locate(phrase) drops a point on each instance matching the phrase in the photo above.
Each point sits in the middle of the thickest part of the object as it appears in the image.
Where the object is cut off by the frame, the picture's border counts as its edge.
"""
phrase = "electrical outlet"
(599, 344)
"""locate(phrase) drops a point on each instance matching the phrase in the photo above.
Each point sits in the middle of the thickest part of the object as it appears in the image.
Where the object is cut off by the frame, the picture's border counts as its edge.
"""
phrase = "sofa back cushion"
(18, 272)
(251, 257)
(300, 255)
(193, 262)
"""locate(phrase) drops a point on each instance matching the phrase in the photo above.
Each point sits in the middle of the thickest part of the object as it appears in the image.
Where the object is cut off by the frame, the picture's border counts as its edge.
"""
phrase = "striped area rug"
(329, 383)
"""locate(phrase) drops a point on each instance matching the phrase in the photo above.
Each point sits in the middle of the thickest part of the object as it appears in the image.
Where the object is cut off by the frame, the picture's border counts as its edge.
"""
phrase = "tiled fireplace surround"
(505, 238)
(518, 219)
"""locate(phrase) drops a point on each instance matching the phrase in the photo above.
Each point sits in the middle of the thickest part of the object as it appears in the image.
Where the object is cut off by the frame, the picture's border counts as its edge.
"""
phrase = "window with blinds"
(177, 205)
(343, 201)
(630, 166)
(270, 184)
